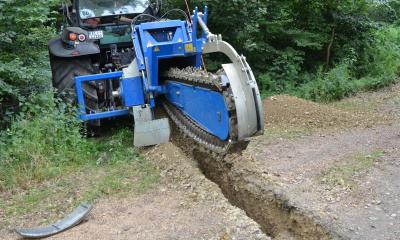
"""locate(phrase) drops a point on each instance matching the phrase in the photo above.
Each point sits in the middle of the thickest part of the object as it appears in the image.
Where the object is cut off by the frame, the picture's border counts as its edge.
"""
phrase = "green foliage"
(25, 28)
(377, 67)
(45, 142)
(105, 168)
(329, 86)
(287, 43)
(41, 142)
(382, 59)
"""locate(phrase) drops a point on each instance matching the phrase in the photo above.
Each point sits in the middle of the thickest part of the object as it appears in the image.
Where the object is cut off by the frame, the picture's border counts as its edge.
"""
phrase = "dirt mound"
(285, 111)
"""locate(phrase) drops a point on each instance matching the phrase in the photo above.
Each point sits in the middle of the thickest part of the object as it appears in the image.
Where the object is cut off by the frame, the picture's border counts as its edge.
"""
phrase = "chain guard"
(214, 82)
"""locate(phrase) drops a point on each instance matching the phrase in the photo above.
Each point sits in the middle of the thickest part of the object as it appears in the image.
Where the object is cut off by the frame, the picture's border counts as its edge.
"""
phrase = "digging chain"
(189, 127)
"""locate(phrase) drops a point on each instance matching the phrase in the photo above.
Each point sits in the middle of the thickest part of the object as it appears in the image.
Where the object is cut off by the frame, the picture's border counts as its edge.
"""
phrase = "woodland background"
(318, 50)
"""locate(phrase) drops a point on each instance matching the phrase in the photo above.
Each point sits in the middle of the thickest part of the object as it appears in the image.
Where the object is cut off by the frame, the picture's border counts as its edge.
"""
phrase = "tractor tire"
(64, 70)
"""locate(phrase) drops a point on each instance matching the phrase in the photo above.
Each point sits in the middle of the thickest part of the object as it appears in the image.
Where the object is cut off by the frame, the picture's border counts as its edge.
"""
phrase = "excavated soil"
(290, 112)
(255, 192)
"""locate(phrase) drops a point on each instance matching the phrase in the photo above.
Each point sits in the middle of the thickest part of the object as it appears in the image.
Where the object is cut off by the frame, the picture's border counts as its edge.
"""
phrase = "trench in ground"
(249, 191)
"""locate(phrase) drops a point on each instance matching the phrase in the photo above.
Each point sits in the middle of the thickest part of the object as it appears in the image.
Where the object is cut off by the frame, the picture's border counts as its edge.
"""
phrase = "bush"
(382, 59)
(42, 142)
(329, 86)
(25, 28)
(378, 67)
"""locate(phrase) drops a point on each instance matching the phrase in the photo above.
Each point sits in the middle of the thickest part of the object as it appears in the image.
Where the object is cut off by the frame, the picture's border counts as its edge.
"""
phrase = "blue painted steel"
(101, 76)
(102, 115)
(194, 24)
(154, 42)
(81, 98)
(204, 106)
(138, 50)
(132, 92)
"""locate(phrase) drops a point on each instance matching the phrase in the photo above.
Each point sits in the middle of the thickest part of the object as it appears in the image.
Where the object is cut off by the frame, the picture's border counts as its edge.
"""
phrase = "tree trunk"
(329, 49)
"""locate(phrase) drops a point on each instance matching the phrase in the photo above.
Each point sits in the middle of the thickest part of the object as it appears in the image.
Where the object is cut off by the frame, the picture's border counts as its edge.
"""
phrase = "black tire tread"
(64, 70)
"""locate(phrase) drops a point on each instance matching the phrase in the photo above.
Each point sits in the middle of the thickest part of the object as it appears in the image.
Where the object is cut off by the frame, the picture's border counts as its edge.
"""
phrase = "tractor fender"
(58, 49)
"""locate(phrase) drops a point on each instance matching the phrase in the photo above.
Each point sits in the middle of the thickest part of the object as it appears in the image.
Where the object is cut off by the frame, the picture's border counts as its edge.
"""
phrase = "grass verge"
(117, 171)
(345, 174)
(47, 168)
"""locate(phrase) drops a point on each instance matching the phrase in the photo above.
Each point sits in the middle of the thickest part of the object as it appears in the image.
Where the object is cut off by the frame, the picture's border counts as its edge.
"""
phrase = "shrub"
(383, 57)
(25, 28)
(42, 142)
(329, 86)
(377, 67)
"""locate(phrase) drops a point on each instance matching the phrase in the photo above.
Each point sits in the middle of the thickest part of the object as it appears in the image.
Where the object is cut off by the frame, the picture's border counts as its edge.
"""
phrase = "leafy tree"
(289, 43)
(25, 28)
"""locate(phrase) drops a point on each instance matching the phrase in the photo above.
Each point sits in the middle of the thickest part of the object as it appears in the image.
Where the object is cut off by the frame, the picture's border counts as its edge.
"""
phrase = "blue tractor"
(118, 58)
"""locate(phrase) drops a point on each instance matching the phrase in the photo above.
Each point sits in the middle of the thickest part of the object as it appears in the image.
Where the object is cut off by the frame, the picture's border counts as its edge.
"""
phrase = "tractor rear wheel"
(64, 70)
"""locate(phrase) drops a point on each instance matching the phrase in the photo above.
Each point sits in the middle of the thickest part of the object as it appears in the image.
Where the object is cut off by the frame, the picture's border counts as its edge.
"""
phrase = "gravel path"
(319, 169)
(186, 205)
(367, 204)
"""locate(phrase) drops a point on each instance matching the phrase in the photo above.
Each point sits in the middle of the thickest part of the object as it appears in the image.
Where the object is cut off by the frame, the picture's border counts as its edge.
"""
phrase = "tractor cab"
(110, 18)
(107, 22)
(99, 31)
(96, 38)
(89, 9)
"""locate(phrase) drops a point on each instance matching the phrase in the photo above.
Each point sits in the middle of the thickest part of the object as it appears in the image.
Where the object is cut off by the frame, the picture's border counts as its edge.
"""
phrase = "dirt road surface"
(347, 177)
(319, 172)
(186, 205)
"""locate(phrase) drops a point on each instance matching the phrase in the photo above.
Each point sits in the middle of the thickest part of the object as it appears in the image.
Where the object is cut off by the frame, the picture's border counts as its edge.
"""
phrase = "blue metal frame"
(152, 42)
(81, 97)
(205, 20)
(149, 51)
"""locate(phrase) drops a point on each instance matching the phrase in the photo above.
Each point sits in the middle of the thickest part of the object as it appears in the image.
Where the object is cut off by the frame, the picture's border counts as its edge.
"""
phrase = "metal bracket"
(149, 132)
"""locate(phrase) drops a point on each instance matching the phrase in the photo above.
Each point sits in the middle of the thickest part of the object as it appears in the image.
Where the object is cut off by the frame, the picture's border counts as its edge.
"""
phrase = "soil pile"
(285, 111)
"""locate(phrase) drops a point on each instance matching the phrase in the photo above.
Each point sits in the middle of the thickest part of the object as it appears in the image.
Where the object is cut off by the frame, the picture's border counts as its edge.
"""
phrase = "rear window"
(101, 8)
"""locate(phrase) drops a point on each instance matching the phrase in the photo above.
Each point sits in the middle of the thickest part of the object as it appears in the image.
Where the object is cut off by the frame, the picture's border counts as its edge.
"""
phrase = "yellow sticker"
(189, 47)
(156, 49)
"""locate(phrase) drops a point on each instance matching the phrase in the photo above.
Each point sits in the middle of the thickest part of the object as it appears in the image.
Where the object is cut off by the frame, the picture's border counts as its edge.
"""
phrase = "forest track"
(283, 180)
(319, 172)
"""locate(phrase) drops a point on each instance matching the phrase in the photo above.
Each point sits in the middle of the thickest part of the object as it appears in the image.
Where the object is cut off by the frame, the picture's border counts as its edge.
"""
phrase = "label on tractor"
(96, 35)
(189, 47)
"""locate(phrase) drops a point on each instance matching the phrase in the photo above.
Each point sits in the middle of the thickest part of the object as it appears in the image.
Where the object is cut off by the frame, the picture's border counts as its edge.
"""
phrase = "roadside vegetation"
(318, 50)
(46, 162)
(345, 173)
(47, 167)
